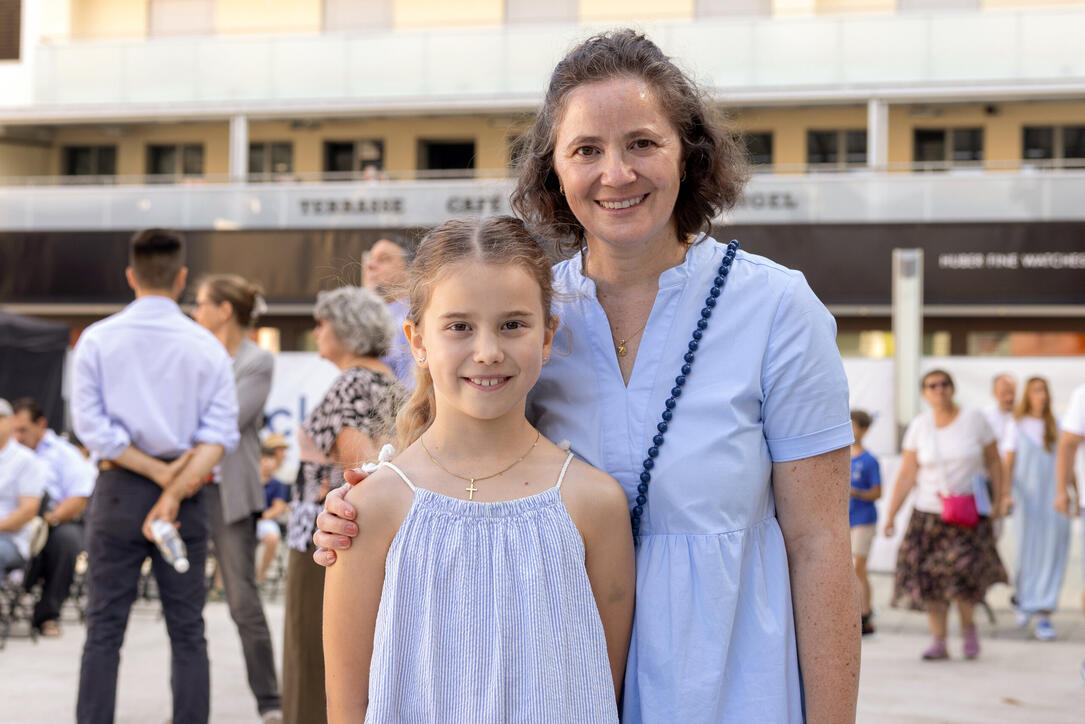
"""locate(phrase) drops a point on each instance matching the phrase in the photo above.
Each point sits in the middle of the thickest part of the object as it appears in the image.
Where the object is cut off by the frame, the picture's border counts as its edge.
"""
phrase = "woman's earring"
(421, 360)
(546, 358)
(561, 189)
(681, 180)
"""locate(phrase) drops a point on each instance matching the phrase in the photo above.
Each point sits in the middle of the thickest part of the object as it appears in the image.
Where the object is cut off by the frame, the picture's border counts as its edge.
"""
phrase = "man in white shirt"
(1073, 434)
(384, 271)
(69, 480)
(1000, 412)
(21, 482)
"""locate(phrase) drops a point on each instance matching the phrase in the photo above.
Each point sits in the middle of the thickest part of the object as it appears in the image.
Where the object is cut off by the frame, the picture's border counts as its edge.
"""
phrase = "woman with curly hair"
(707, 381)
(353, 330)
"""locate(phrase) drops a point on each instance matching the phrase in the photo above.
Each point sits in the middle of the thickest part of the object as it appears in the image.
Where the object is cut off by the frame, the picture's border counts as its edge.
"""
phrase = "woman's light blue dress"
(714, 633)
(1043, 534)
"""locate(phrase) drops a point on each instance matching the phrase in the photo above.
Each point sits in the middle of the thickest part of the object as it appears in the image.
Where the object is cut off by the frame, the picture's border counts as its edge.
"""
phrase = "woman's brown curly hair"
(716, 168)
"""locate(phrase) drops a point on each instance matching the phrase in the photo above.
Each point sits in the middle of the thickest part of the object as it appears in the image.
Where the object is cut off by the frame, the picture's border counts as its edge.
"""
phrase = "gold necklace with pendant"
(471, 489)
(620, 348)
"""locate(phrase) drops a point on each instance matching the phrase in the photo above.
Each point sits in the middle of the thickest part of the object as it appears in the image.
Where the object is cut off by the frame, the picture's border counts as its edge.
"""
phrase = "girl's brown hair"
(490, 240)
(244, 296)
(714, 158)
(1050, 430)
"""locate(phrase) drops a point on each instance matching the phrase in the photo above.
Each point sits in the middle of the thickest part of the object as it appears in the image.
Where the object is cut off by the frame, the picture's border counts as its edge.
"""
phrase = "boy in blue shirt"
(866, 487)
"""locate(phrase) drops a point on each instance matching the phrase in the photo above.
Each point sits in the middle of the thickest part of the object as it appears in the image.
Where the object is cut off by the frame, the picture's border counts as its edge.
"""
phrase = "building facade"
(285, 136)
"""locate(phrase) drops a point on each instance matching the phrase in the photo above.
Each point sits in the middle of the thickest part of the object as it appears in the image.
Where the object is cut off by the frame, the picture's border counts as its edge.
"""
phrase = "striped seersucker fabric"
(487, 615)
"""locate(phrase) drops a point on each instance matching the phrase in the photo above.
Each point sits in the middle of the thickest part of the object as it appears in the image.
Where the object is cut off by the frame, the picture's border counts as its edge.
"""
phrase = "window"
(759, 148)
(351, 15)
(518, 12)
(450, 159)
(11, 29)
(89, 160)
(344, 160)
(270, 160)
(169, 163)
(937, 148)
(716, 8)
(1054, 145)
(835, 149)
(1038, 143)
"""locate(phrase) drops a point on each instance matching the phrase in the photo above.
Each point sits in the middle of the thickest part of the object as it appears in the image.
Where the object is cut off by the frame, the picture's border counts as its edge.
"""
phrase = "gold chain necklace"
(620, 348)
(471, 489)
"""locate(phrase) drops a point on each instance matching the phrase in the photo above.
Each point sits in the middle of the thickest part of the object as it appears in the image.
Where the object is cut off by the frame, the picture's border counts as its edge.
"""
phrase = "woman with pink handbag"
(948, 552)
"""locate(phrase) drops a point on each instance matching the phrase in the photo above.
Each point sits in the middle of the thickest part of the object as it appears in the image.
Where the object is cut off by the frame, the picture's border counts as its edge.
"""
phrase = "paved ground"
(1016, 679)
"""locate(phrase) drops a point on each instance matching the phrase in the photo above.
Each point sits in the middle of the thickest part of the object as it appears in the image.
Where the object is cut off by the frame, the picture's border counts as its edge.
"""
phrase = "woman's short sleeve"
(910, 442)
(805, 392)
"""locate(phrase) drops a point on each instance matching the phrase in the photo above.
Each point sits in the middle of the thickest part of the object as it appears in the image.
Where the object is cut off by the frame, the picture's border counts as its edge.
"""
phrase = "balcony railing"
(861, 197)
(509, 66)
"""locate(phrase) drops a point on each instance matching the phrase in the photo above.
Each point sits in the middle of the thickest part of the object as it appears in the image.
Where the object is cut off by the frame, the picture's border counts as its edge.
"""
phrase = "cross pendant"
(471, 490)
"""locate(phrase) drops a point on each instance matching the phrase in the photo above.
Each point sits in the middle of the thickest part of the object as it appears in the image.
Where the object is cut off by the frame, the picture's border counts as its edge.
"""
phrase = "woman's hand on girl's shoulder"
(381, 501)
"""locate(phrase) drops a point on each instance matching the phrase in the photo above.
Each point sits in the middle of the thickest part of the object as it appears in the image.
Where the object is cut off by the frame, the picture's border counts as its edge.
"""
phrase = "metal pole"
(907, 333)
(877, 135)
(239, 149)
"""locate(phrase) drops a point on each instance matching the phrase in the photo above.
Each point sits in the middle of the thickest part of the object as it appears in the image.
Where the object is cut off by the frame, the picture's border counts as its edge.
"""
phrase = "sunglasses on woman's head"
(936, 385)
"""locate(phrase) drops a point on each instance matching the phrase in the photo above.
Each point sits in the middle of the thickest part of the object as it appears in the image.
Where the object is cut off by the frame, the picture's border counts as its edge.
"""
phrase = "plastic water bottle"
(170, 545)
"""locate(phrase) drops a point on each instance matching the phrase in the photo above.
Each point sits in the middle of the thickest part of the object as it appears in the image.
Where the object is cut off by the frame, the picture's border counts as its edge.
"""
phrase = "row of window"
(342, 159)
(932, 148)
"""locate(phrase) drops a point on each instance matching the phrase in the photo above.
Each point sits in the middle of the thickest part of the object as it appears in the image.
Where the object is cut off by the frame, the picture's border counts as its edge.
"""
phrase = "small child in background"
(277, 497)
(866, 487)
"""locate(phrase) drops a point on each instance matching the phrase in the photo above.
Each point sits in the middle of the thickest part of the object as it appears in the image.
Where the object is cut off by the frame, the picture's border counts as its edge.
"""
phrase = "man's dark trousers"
(116, 549)
(55, 565)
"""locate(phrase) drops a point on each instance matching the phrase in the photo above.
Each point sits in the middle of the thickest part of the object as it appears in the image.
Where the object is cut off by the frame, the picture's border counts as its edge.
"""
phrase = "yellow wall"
(18, 160)
(596, 11)
(132, 142)
(109, 18)
(268, 16)
(1027, 4)
(436, 13)
(1002, 129)
(491, 134)
(789, 126)
(855, 6)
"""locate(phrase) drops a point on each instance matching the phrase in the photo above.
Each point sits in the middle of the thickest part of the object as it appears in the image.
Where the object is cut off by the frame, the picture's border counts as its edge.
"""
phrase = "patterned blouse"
(361, 399)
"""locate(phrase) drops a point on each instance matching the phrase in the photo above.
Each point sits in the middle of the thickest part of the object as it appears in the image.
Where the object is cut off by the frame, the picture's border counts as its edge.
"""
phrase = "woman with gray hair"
(353, 330)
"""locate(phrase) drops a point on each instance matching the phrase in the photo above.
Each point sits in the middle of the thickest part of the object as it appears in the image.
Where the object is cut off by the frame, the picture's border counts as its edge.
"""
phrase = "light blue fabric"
(151, 377)
(487, 616)
(399, 358)
(714, 634)
(67, 473)
(1043, 534)
(21, 475)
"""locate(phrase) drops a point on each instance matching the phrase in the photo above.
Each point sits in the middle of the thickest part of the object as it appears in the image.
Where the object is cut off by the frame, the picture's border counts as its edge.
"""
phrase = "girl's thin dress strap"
(400, 473)
(561, 476)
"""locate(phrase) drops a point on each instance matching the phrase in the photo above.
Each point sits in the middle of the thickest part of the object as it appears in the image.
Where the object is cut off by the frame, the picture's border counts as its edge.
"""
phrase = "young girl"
(493, 577)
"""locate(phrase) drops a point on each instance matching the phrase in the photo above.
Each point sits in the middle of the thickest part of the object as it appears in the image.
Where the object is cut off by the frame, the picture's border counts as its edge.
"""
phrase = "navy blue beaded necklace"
(710, 302)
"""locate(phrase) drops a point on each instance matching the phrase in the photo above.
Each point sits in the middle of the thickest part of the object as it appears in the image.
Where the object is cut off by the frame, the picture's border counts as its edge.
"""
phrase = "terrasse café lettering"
(326, 207)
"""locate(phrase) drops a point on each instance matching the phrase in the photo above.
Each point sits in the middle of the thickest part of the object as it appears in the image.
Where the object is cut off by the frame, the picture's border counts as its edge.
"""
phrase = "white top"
(1001, 423)
(1074, 419)
(1030, 427)
(949, 457)
(714, 628)
(487, 615)
(21, 474)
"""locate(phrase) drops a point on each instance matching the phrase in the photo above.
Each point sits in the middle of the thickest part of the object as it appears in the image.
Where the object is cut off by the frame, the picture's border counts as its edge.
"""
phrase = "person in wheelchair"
(22, 479)
(69, 481)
